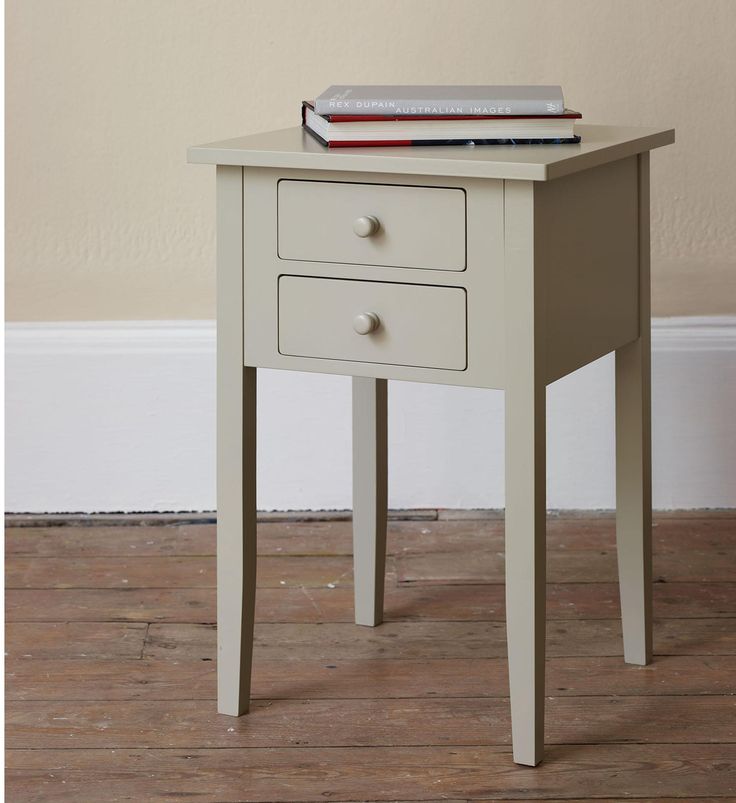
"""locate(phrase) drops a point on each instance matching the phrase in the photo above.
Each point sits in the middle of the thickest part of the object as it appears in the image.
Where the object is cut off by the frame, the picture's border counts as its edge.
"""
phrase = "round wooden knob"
(366, 322)
(366, 226)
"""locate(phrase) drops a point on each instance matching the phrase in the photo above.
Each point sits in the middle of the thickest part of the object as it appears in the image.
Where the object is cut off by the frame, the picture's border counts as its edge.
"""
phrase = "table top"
(295, 148)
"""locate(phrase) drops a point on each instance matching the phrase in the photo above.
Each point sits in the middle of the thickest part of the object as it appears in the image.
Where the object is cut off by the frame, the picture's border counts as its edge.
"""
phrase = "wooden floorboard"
(479, 603)
(320, 571)
(425, 640)
(194, 679)
(335, 538)
(379, 773)
(367, 722)
(110, 668)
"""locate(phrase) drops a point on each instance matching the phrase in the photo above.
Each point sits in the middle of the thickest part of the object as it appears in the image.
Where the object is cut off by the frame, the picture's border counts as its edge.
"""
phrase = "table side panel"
(585, 242)
(482, 280)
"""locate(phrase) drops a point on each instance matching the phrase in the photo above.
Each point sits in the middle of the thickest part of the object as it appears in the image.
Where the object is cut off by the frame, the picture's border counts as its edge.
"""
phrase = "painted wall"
(105, 221)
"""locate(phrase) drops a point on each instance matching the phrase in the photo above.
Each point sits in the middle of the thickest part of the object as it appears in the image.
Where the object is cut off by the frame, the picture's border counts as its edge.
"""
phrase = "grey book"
(431, 100)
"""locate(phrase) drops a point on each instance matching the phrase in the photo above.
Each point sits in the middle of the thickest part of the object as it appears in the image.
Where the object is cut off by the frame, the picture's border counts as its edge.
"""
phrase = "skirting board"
(120, 416)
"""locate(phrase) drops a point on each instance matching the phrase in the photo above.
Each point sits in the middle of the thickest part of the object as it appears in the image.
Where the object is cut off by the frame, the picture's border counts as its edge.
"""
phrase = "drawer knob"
(366, 322)
(366, 226)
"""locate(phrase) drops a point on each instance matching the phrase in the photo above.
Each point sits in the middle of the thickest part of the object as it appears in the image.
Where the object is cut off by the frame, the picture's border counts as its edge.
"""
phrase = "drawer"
(378, 322)
(372, 224)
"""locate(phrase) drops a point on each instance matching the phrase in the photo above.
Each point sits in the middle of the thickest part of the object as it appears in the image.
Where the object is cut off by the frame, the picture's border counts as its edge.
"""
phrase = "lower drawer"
(378, 322)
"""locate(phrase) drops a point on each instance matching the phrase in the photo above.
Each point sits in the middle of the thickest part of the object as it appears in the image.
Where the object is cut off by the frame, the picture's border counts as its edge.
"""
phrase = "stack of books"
(361, 116)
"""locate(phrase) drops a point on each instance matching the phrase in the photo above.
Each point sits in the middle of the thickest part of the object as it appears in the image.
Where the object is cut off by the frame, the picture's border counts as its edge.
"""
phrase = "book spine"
(438, 108)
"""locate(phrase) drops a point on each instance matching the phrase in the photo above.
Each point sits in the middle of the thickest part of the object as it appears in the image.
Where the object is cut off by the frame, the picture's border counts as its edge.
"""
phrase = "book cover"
(440, 100)
(567, 114)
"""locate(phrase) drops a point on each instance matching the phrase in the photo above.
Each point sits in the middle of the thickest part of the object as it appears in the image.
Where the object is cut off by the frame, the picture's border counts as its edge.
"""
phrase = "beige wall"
(106, 221)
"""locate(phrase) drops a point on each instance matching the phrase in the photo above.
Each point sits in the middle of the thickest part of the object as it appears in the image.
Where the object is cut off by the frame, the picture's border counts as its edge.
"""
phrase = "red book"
(353, 130)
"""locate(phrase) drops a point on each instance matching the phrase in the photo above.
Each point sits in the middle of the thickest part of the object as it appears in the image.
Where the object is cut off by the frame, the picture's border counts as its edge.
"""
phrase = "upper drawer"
(372, 224)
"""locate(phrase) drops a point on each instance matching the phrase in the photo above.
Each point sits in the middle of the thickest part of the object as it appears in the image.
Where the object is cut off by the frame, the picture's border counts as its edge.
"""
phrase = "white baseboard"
(121, 417)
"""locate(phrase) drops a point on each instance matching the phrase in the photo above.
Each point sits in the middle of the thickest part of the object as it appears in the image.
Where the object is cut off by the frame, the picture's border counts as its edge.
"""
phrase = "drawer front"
(372, 224)
(377, 322)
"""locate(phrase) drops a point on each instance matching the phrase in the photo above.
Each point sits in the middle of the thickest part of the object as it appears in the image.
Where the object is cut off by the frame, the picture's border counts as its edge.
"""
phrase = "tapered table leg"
(525, 387)
(634, 462)
(525, 567)
(236, 459)
(370, 497)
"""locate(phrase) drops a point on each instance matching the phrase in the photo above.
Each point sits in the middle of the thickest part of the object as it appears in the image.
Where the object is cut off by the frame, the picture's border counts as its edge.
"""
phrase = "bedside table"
(491, 266)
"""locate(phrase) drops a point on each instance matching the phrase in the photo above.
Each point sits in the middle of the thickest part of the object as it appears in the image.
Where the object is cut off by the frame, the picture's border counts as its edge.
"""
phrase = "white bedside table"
(492, 266)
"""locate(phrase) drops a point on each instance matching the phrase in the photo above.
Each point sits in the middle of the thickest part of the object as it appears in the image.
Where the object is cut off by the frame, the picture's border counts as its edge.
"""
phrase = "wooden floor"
(111, 668)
